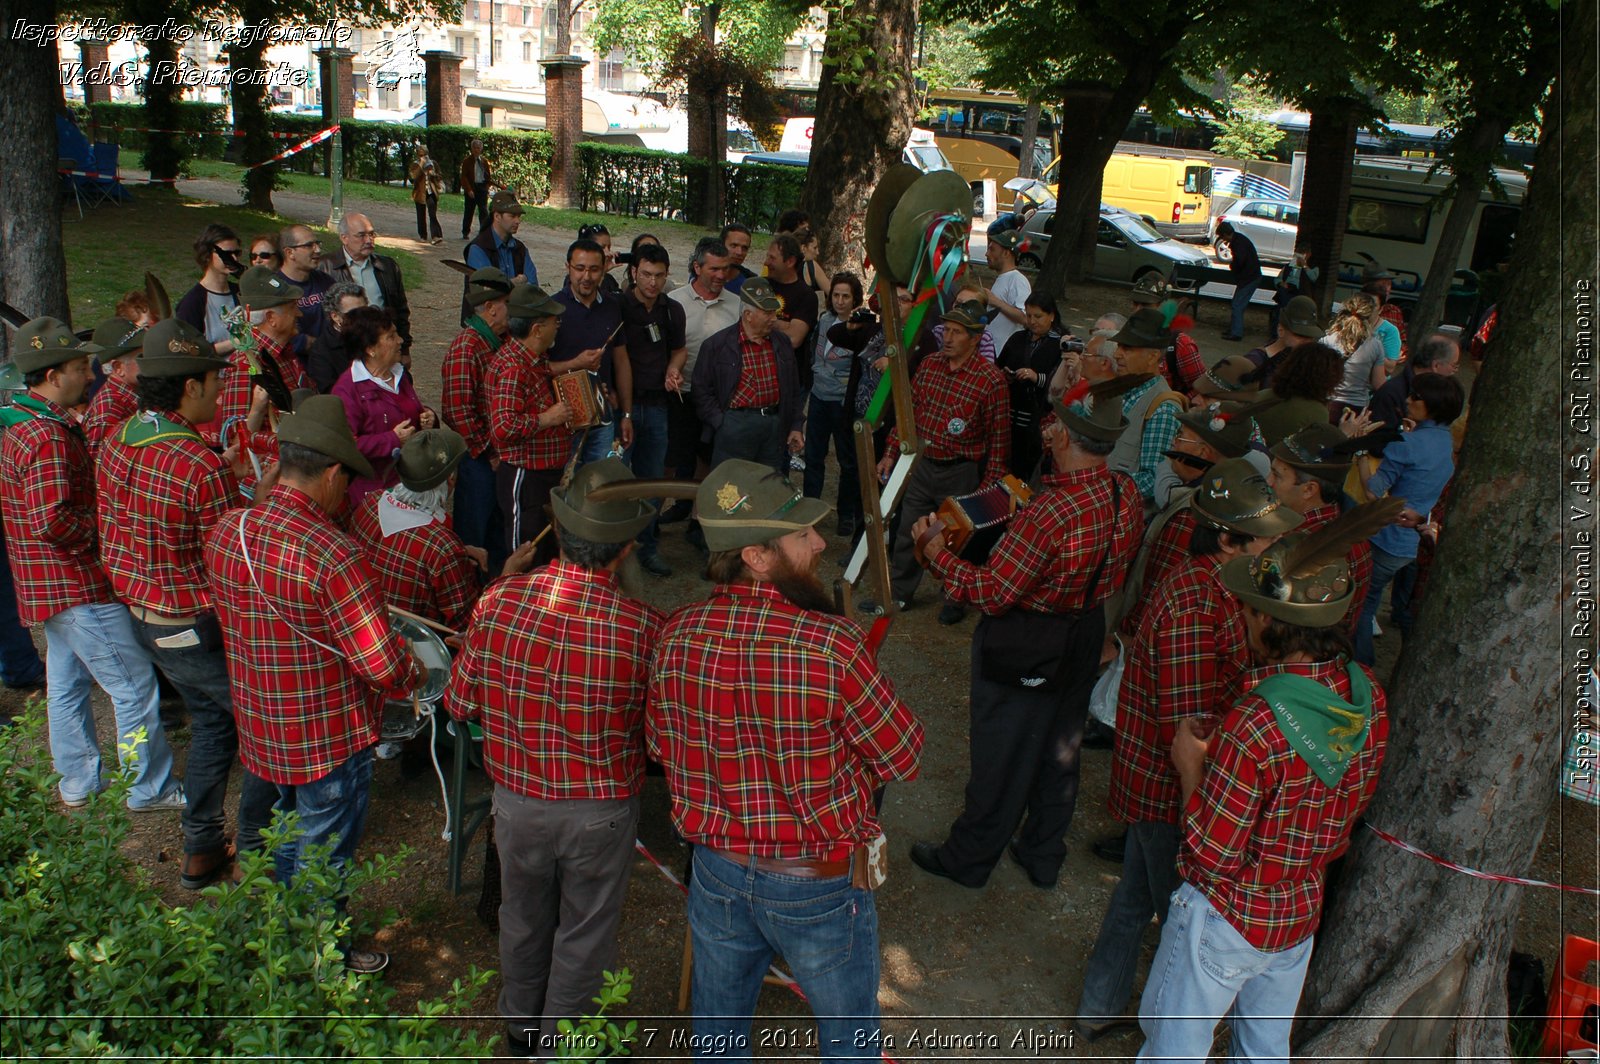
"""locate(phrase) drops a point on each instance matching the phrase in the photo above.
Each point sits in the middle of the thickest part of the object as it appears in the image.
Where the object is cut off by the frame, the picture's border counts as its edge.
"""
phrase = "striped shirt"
(555, 667)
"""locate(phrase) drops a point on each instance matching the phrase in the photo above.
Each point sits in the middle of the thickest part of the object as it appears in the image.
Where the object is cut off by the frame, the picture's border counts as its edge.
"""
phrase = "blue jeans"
(1240, 300)
(19, 659)
(1149, 876)
(1205, 970)
(477, 516)
(827, 419)
(1384, 567)
(647, 457)
(594, 443)
(331, 808)
(825, 929)
(94, 644)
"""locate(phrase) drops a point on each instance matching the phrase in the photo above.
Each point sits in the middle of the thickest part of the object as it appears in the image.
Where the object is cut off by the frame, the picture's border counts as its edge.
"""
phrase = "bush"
(617, 179)
(96, 965)
(204, 127)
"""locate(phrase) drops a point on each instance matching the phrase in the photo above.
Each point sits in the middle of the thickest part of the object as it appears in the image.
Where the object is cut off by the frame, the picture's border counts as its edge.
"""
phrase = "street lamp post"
(336, 151)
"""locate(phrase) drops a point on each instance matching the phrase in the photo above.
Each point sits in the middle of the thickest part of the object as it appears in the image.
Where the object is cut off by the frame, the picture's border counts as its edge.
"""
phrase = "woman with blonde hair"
(1354, 335)
(427, 183)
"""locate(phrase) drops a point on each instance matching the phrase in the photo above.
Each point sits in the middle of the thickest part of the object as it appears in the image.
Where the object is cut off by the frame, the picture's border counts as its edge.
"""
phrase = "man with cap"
(121, 343)
(1245, 266)
(47, 497)
(311, 654)
(161, 491)
(1151, 408)
(775, 727)
(1182, 365)
(464, 405)
(747, 388)
(1266, 801)
(962, 406)
(1185, 662)
(497, 245)
(1308, 474)
(254, 398)
(1036, 651)
(554, 668)
(528, 424)
(1010, 289)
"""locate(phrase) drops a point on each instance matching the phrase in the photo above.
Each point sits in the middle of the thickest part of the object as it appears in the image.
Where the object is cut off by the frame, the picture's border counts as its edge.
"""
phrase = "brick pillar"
(96, 55)
(326, 58)
(563, 117)
(443, 70)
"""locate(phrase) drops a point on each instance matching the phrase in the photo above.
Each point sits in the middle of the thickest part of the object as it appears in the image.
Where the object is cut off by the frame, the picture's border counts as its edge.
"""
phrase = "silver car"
(1126, 247)
(1271, 226)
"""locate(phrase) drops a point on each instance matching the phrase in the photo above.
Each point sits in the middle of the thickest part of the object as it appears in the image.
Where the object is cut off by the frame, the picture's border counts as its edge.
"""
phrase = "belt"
(800, 869)
(652, 395)
(764, 411)
(945, 463)
(163, 619)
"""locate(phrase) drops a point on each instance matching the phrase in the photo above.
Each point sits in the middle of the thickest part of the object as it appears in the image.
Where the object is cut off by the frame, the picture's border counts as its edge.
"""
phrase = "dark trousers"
(19, 658)
(193, 661)
(523, 494)
(428, 219)
(1027, 447)
(753, 436)
(685, 448)
(477, 515)
(927, 486)
(1024, 747)
(476, 196)
(648, 456)
(828, 420)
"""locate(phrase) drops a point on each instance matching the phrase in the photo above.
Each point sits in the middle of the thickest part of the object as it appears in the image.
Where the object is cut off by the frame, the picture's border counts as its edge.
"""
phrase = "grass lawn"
(109, 250)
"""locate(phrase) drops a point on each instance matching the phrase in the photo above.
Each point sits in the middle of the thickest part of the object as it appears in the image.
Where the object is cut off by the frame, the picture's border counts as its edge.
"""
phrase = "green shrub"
(203, 127)
(616, 179)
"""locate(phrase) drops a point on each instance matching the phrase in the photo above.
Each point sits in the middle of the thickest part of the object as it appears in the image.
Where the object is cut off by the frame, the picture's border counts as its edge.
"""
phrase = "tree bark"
(33, 267)
(1477, 703)
(1325, 193)
(163, 154)
(859, 131)
(250, 110)
(1030, 133)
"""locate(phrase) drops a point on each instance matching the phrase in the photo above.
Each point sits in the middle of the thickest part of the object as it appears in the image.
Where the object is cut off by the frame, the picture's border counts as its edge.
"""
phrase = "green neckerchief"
(27, 408)
(481, 327)
(149, 426)
(1324, 730)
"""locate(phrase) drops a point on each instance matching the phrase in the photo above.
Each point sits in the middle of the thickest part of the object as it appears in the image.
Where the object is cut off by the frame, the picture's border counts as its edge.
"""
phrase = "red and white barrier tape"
(1493, 877)
(295, 149)
(197, 132)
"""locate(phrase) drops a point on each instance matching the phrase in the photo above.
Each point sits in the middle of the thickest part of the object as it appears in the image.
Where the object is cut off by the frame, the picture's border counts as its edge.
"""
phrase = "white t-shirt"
(1012, 287)
(1356, 387)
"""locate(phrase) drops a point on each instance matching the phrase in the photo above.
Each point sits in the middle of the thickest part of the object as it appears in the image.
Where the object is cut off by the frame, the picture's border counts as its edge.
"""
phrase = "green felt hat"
(487, 284)
(1147, 328)
(530, 301)
(936, 194)
(46, 342)
(117, 337)
(614, 520)
(261, 289)
(968, 314)
(1149, 290)
(174, 348)
(504, 202)
(1226, 378)
(429, 457)
(320, 424)
(757, 294)
(1013, 240)
(1300, 317)
(1099, 415)
(1233, 495)
(1320, 450)
(743, 503)
(1227, 427)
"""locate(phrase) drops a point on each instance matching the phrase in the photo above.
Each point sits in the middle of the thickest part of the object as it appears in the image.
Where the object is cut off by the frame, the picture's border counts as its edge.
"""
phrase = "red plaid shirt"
(465, 404)
(775, 726)
(962, 414)
(1191, 367)
(157, 502)
(1168, 554)
(425, 570)
(555, 667)
(1050, 549)
(1261, 828)
(47, 498)
(113, 404)
(1359, 559)
(302, 709)
(1185, 662)
(520, 391)
(758, 374)
(237, 386)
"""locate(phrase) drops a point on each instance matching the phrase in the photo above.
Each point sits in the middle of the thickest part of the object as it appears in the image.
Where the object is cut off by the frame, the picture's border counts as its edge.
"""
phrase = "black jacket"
(390, 284)
(716, 375)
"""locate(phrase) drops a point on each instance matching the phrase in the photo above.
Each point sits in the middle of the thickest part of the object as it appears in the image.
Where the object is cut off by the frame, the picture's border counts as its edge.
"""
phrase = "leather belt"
(164, 620)
(800, 869)
(945, 463)
(764, 411)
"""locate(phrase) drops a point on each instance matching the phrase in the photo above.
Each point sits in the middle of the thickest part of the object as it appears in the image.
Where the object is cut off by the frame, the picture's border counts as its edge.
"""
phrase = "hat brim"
(1085, 427)
(179, 365)
(586, 527)
(1235, 576)
(723, 534)
(1322, 470)
(32, 360)
(771, 307)
(1128, 336)
(328, 443)
(1280, 520)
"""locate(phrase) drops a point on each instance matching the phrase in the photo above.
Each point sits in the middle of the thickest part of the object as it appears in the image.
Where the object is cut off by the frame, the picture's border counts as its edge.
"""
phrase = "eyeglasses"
(307, 244)
(261, 255)
(586, 232)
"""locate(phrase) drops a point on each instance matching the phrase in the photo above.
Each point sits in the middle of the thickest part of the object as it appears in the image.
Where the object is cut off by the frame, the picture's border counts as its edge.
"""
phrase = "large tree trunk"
(162, 153)
(1411, 958)
(33, 268)
(1030, 133)
(859, 132)
(707, 105)
(250, 111)
(1325, 193)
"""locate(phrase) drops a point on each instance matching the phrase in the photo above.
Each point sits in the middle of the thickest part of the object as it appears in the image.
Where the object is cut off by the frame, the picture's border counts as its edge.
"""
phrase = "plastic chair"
(466, 817)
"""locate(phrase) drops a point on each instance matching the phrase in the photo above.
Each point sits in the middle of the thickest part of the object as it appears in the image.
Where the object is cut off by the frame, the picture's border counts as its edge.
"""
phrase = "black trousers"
(476, 196)
(428, 212)
(523, 495)
(1024, 768)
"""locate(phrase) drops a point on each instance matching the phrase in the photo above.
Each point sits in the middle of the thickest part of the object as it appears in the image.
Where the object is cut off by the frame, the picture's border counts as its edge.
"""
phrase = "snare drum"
(973, 524)
(403, 718)
(586, 402)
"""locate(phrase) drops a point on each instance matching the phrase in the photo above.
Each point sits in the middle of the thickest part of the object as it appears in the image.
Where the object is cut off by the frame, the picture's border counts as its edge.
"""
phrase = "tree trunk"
(1477, 702)
(250, 111)
(1030, 133)
(707, 105)
(1325, 194)
(33, 268)
(563, 27)
(163, 153)
(859, 131)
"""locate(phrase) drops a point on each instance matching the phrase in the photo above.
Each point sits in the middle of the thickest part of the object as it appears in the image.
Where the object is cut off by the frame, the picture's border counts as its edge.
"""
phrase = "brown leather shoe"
(200, 870)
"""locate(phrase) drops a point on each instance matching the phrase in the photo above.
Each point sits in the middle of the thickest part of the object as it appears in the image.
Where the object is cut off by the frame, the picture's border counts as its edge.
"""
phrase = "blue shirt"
(583, 328)
(1414, 468)
(503, 258)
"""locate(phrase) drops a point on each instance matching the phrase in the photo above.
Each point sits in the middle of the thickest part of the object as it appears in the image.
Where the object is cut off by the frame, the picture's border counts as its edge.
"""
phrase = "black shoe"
(1097, 736)
(26, 685)
(1111, 848)
(1089, 1034)
(950, 614)
(1042, 884)
(1231, 338)
(678, 511)
(846, 527)
(522, 1042)
(366, 961)
(652, 564)
(925, 855)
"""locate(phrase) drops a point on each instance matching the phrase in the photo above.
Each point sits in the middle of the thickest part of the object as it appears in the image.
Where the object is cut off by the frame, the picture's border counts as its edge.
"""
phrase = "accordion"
(587, 404)
(972, 524)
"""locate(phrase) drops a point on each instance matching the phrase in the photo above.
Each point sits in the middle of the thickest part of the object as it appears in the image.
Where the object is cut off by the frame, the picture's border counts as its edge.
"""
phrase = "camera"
(1071, 345)
(862, 316)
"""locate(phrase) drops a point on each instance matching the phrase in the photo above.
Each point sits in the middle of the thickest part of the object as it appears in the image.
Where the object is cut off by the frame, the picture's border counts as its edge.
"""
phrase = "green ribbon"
(481, 327)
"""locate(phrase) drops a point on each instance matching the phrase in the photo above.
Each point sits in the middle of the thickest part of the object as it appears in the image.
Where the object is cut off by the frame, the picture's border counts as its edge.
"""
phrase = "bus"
(981, 134)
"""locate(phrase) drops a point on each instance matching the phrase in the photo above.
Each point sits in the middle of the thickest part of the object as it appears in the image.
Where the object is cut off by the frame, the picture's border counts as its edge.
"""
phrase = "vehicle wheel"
(977, 201)
(1223, 252)
(1148, 271)
(1029, 261)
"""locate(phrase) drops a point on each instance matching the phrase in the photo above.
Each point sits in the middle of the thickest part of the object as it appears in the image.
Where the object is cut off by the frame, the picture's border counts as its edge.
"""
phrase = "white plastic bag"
(1103, 701)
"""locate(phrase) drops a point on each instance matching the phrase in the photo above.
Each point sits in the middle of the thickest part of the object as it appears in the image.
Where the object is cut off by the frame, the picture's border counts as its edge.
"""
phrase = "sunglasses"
(597, 229)
(262, 256)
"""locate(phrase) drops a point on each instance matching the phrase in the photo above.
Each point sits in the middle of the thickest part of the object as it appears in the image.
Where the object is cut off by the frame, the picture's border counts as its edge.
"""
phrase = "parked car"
(1126, 246)
(1271, 226)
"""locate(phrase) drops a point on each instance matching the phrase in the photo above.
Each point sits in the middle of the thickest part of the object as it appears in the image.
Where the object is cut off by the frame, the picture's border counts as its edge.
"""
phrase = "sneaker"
(652, 564)
(950, 614)
(678, 511)
(366, 961)
(388, 751)
(173, 799)
(76, 803)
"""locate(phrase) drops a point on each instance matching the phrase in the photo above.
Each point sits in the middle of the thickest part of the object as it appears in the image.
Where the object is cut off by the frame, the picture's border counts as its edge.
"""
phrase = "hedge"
(204, 127)
(616, 179)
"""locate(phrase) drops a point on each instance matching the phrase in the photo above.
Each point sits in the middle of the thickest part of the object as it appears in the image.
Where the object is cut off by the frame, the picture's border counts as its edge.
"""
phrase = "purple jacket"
(374, 412)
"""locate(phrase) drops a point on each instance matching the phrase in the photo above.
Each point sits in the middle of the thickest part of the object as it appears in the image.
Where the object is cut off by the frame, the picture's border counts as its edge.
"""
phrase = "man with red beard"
(775, 727)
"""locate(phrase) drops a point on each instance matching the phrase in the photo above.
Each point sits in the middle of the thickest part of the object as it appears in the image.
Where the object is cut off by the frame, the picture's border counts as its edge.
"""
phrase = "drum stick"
(435, 625)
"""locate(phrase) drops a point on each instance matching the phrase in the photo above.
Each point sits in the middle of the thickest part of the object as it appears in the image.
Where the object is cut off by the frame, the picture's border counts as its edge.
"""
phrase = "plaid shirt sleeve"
(425, 570)
(1168, 554)
(463, 401)
(112, 405)
(1160, 429)
(521, 391)
(1191, 367)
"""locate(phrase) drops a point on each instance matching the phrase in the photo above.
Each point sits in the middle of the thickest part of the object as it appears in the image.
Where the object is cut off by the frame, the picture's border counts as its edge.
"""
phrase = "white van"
(920, 151)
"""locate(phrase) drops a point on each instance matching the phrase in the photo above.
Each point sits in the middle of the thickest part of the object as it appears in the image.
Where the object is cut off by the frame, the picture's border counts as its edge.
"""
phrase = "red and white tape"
(1492, 877)
(197, 132)
(295, 149)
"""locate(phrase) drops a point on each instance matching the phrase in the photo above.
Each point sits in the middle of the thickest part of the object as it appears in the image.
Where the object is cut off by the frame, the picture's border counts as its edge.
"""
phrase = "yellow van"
(1172, 191)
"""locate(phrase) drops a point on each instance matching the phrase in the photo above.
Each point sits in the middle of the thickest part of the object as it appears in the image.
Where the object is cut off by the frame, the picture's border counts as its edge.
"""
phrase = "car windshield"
(1136, 229)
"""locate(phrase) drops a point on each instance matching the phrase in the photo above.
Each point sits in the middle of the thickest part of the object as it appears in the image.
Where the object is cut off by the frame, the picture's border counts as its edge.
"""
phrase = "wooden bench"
(1185, 282)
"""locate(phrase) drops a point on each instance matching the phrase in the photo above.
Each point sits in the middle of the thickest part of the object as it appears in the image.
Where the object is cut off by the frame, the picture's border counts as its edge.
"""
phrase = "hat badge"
(729, 498)
(1217, 490)
(183, 347)
(273, 281)
(38, 343)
